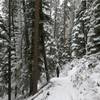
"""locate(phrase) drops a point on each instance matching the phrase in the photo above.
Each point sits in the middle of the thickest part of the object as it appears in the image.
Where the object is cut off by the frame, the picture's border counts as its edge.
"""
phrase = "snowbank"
(85, 76)
(79, 80)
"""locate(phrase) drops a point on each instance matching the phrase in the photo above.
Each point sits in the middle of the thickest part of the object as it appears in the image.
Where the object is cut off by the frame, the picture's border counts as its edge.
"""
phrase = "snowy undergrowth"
(58, 89)
(85, 76)
(79, 80)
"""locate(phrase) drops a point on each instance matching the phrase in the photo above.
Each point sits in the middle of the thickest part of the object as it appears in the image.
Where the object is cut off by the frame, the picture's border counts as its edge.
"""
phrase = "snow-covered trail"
(61, 89)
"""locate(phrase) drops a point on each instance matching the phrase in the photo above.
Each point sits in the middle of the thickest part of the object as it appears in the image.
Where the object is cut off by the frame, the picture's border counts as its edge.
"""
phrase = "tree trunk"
(27, 43)
(9, 54)
(13, 30)
(35, 48)
(65, 23)
(45, 59)
(55, 22)
(43, 44)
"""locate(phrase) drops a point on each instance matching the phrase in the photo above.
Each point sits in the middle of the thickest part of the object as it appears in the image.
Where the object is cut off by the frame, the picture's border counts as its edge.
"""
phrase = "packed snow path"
(60, 89)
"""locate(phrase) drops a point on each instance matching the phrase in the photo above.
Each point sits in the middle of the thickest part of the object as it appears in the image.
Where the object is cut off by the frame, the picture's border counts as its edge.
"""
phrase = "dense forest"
(39, 36)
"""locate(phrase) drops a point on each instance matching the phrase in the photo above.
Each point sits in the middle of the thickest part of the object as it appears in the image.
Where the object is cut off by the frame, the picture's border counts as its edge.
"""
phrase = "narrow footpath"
(60, 89)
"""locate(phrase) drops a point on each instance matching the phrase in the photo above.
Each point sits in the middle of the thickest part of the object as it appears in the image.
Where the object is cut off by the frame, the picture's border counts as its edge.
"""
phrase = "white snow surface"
(79, 80)
(61, 89)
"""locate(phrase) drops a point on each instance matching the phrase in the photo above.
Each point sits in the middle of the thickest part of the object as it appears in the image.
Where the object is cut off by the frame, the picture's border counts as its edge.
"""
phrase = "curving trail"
(61, 89)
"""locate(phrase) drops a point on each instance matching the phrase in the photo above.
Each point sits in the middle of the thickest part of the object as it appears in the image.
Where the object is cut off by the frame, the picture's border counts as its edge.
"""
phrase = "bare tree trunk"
(41, 29)
(9, 54)
(13, 30)
(65, 23)
(25, 29)
(35, 47)
(50, 8)
(55, 18)
(45, 59)
(27, 43)
(55, 22)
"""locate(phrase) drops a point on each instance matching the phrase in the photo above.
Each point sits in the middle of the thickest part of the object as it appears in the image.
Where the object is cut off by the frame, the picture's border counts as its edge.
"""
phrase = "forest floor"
(61, 89)
(79, 80)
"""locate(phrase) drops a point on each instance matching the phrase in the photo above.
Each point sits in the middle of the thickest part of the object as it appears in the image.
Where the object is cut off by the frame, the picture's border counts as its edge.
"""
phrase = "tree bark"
(27, 43)
(9, 55)
(13, 30)
(45, 59)
(35, 48)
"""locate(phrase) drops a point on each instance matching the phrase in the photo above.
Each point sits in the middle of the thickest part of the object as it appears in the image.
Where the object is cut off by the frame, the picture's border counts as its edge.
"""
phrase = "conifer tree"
(78, 33)
(93, 44)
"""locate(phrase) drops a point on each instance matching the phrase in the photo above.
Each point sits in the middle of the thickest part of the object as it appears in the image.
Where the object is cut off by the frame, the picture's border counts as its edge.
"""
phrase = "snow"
(97, 7)
(61, 1)
(1, 41)
(68, 4)
(91, 34)
(77, 27)
(79, 80)
(87, 17)
(74, 45)
(93, 49)
(75, 33)
(61, 89)
(97, 38)
(73, 53)
(97, 26)
(85, 76)
(81, 35)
